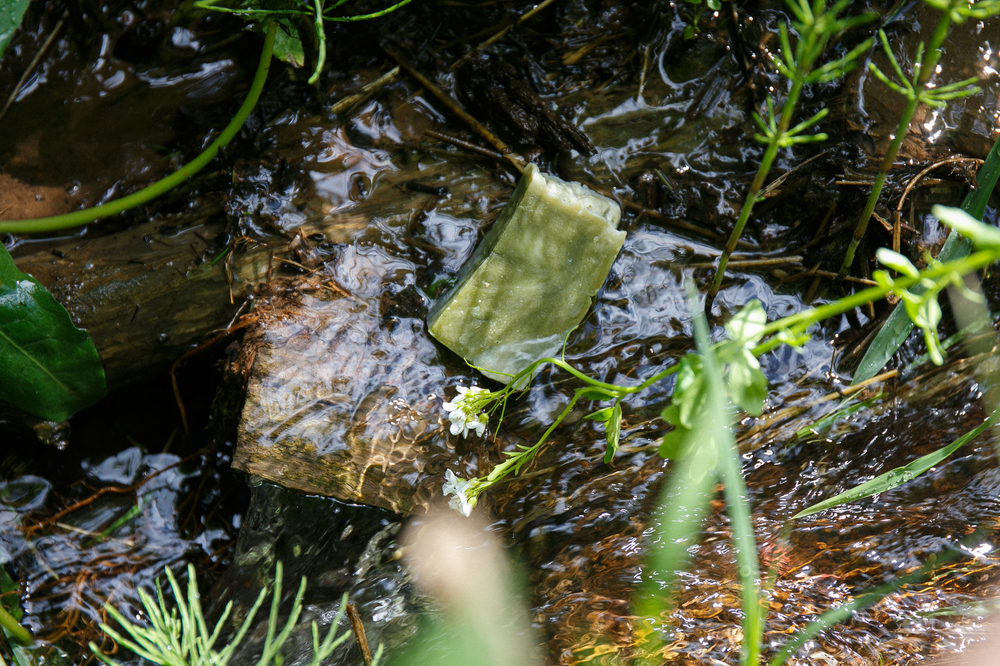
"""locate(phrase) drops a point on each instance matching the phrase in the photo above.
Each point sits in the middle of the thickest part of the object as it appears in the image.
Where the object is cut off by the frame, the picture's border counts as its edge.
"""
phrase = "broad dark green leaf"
(898, 326)
(11, 13)
(900, 475)
(48, 367)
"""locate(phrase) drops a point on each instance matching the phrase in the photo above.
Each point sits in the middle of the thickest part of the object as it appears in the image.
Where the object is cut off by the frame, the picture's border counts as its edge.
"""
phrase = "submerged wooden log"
(149, 293)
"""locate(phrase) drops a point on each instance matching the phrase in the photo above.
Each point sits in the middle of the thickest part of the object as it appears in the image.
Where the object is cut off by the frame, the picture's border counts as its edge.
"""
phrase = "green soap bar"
(531, 280)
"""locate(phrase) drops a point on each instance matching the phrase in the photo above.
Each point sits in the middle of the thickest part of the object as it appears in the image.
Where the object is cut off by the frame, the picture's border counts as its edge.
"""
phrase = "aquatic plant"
(180, 636)
(815, 24)
(289, 46)
(715, 380)
(48, 367)
(273, 22)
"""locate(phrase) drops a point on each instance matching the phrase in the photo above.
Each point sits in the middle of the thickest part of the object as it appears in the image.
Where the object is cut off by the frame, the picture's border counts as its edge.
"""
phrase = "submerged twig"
(447, 138)
(503, 31)
(516, 160)
(359, 632)
(34, 63)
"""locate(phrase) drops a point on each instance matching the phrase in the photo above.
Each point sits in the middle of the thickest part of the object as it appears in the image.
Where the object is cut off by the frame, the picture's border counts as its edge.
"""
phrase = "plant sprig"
(916, 91)
(181, 637)
(815, 25)
(287, 12)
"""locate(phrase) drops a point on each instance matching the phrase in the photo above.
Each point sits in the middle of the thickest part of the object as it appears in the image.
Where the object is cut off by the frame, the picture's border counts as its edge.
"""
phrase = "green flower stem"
(933, 56)
(799, 322)
(738, 507)
(81, 217)
(16, 631)
(321, 38)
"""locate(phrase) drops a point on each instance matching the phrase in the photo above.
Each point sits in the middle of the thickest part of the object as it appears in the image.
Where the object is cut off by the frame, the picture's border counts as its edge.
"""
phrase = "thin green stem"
(799, 322)
(738, 508)
(14, 628)
(81, 217)
(321, 38)
(919, 85)
(756, 186)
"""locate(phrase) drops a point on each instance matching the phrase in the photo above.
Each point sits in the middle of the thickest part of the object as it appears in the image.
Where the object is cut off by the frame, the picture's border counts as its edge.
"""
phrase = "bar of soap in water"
(532, 278)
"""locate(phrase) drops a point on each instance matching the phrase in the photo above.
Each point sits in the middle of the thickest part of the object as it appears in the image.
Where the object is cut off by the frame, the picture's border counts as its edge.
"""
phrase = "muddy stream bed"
(313, 431)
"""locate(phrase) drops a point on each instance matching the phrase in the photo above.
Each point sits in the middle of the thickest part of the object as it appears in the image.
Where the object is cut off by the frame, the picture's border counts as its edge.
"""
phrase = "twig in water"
(359, 632)
(34, 63)
(366, 91)
(464, 144)
(500, 33)
(755, 263)
(913, 183)
(516, 160)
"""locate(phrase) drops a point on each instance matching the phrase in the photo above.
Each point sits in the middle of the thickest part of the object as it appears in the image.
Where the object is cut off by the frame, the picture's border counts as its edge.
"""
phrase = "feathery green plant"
(181, 636)
(916, 91)
(815, 25)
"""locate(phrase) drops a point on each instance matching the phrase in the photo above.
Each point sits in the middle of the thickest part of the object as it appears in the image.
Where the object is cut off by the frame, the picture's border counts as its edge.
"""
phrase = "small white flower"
(462, 501)
(464, 412)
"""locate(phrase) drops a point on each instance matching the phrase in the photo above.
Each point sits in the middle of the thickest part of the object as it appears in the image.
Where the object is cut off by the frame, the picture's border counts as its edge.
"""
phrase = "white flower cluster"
(464, 412)
(463, 501)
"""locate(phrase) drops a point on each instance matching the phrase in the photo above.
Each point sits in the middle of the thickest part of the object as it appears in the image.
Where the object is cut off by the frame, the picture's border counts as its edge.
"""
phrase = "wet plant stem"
(81, 217)
(915, 97)
(816, 24)
(14, 629)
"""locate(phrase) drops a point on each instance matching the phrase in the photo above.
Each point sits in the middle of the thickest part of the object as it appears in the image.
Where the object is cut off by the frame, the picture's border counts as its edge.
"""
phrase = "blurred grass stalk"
(459, 564)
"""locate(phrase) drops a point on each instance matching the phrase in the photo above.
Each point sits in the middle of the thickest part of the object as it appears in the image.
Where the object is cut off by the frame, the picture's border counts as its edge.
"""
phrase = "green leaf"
(747, 384)
(900, 475)
(11, 13)
(601, 414)
(689, 391)
(747, 325)
(846, 409)
(288, 46)
(48, 367)
(613, 427)
(983, 236)
(897, 262)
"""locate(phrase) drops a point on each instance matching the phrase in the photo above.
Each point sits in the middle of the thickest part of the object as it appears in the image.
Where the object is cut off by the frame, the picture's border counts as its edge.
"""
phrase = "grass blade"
(685, 497)
(900, 475)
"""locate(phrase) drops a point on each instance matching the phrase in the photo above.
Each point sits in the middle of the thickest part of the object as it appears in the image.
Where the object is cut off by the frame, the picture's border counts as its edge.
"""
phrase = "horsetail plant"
(181, 636)
(815, 25)
(916, 91)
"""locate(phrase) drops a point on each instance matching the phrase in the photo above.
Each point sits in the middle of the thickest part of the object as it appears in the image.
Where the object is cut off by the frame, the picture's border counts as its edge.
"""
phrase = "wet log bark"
(149, 293)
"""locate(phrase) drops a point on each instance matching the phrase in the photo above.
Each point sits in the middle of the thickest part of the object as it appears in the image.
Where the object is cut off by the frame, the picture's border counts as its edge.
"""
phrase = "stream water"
(380, 210)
